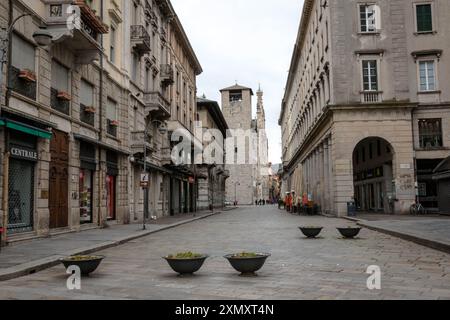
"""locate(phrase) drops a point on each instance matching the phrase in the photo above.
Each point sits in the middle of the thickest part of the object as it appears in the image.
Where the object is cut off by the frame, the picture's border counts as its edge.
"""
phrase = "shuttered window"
(60, 77)
(424, 17)
(23, 54)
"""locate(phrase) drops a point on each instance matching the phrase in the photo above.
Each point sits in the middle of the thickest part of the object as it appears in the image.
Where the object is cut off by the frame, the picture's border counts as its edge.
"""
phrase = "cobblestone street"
(325, 268)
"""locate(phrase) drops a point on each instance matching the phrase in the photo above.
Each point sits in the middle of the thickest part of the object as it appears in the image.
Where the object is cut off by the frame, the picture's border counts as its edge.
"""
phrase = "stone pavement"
(325, 268)
(24, 258)
(431, 231)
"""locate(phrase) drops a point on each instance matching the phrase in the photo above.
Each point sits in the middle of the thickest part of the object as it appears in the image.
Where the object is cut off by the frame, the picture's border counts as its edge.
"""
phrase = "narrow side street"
(325, 268)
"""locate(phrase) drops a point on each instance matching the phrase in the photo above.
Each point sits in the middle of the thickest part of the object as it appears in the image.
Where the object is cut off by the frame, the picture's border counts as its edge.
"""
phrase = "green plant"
(246, 255)
(82, 258)
(185, 255)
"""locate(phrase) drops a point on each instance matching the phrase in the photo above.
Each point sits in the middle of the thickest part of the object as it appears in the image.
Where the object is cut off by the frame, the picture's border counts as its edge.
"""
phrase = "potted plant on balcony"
(349, 232)
(63, 95)
(89, 109)
(87, 264)
(247, 263)
(114, 123)
(311, 231)
(186, 263)
(27, 75)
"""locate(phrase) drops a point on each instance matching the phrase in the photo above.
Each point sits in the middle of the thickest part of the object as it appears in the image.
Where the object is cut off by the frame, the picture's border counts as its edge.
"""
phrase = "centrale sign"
(24, 153)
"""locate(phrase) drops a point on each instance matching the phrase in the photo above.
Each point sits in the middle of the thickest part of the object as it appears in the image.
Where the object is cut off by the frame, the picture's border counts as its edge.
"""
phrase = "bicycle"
(417, 209)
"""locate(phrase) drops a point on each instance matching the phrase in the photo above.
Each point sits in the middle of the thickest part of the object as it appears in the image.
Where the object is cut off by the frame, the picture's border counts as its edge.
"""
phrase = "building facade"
(248, 165)
(366, 108)
(79, 113)
(211, 174)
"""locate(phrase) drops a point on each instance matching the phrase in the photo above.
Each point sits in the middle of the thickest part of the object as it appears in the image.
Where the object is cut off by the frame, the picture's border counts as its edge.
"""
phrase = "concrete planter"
(311, 232)
(349, 233)
(247, 266)
(87, 264)
(186, 266)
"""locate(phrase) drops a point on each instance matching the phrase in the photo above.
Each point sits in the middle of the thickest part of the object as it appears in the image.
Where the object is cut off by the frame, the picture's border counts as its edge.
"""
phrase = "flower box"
(89, 109)
(62, 95)
(114, 123)
(27, 75)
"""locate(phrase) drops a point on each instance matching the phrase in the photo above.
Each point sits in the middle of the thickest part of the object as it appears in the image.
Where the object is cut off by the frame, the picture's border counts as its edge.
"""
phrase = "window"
(424, 17)
(427, 75)
(111, 116)
(367, 13)
(112, 48)
(87, 111)
(370, 75)
(430, 133)
(60, 98)
(235, 96)
(135, 66)
(23, 77)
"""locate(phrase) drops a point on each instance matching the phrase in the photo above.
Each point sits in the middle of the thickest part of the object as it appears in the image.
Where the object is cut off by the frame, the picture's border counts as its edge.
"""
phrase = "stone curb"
(48, 262)
(433, 244)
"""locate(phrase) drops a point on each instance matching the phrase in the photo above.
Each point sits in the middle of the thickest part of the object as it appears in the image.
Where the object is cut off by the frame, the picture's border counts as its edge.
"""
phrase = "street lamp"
(162, 128)
(42, 37)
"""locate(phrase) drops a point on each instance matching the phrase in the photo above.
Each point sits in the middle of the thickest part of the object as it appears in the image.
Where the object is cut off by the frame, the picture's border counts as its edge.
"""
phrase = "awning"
(25, 128)
(151, 166)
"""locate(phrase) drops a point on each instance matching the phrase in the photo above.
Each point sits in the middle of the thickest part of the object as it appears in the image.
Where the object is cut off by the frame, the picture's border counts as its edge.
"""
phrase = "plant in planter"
(87, 264)
(247, 263)
(349, 232)
(186, 262)
(114, 123)
(27, 75)
(311, 231)
(62, 95)
(89, 109)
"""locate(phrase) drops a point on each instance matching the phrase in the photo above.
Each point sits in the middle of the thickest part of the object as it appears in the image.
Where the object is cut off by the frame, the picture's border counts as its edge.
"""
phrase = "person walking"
(294, 203)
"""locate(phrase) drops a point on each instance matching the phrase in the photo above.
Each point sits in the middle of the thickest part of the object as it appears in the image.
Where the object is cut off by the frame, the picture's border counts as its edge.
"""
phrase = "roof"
(237, 87)
(216, 113)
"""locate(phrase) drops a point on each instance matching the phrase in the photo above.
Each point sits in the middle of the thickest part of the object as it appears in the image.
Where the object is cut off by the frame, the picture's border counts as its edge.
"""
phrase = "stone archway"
(373, 176)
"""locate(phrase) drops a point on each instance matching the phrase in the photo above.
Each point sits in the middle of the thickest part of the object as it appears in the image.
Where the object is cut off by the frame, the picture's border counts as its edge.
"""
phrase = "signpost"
(145, 180)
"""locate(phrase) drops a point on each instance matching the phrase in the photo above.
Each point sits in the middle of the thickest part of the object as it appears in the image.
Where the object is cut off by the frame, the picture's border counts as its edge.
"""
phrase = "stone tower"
(262, 167)
(237, 110)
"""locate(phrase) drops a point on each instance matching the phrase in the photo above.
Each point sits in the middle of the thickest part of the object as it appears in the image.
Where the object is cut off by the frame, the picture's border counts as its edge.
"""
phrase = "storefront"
(22, 162)
(88, 166)
(112, 162)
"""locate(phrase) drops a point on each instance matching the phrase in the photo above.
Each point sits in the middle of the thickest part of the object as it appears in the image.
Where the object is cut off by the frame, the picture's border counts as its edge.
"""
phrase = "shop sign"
(23, 153)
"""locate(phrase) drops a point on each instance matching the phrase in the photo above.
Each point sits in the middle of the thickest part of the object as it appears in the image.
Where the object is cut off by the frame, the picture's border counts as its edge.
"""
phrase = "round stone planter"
(349, 233)
(311, 232)
(186, 266)
(87, 264)
(247, 266)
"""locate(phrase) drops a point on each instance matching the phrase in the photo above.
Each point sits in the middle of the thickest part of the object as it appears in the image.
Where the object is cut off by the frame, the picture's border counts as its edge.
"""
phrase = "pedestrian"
(294, 202)
(256, 202)
(264, 202)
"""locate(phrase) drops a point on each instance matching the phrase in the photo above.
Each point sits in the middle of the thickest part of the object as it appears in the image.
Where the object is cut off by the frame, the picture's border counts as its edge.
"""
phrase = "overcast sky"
(249, 41)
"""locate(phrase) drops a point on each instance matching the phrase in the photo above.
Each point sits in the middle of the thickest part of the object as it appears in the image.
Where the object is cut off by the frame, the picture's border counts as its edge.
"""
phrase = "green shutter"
(424, 18)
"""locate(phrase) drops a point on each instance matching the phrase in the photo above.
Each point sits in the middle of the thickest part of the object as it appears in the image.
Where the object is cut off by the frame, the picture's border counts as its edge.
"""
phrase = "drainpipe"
(101, 179)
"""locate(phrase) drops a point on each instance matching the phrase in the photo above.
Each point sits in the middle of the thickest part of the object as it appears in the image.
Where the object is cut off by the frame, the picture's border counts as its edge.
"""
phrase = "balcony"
(82, 38)
(167, 75)
(140, 40)
(157, 106)
(368, 97)
(137, 142)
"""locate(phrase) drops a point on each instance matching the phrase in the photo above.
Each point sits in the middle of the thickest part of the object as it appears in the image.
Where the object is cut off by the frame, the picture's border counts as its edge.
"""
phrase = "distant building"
(248, 182)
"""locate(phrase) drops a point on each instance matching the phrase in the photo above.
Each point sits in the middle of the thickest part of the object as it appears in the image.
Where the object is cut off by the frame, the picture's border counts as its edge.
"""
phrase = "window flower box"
(27, 75)
(114, 123)
(89, 109)
(62, 95)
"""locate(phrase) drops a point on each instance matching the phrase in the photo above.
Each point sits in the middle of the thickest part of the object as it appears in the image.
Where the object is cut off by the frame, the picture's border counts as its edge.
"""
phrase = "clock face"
(56, 10)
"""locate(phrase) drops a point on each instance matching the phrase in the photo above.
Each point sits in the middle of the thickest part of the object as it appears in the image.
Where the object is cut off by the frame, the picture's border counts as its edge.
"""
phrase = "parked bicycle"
(417, 209)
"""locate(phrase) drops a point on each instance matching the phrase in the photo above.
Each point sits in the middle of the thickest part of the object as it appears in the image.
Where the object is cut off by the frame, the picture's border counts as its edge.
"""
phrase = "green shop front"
(21, 145)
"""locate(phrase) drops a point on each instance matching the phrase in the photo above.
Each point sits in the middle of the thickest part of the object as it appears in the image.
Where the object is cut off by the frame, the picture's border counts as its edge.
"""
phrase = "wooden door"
(59, 180)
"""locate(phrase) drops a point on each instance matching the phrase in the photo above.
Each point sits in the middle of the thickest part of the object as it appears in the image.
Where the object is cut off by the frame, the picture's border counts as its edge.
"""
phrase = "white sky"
(249, 41)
